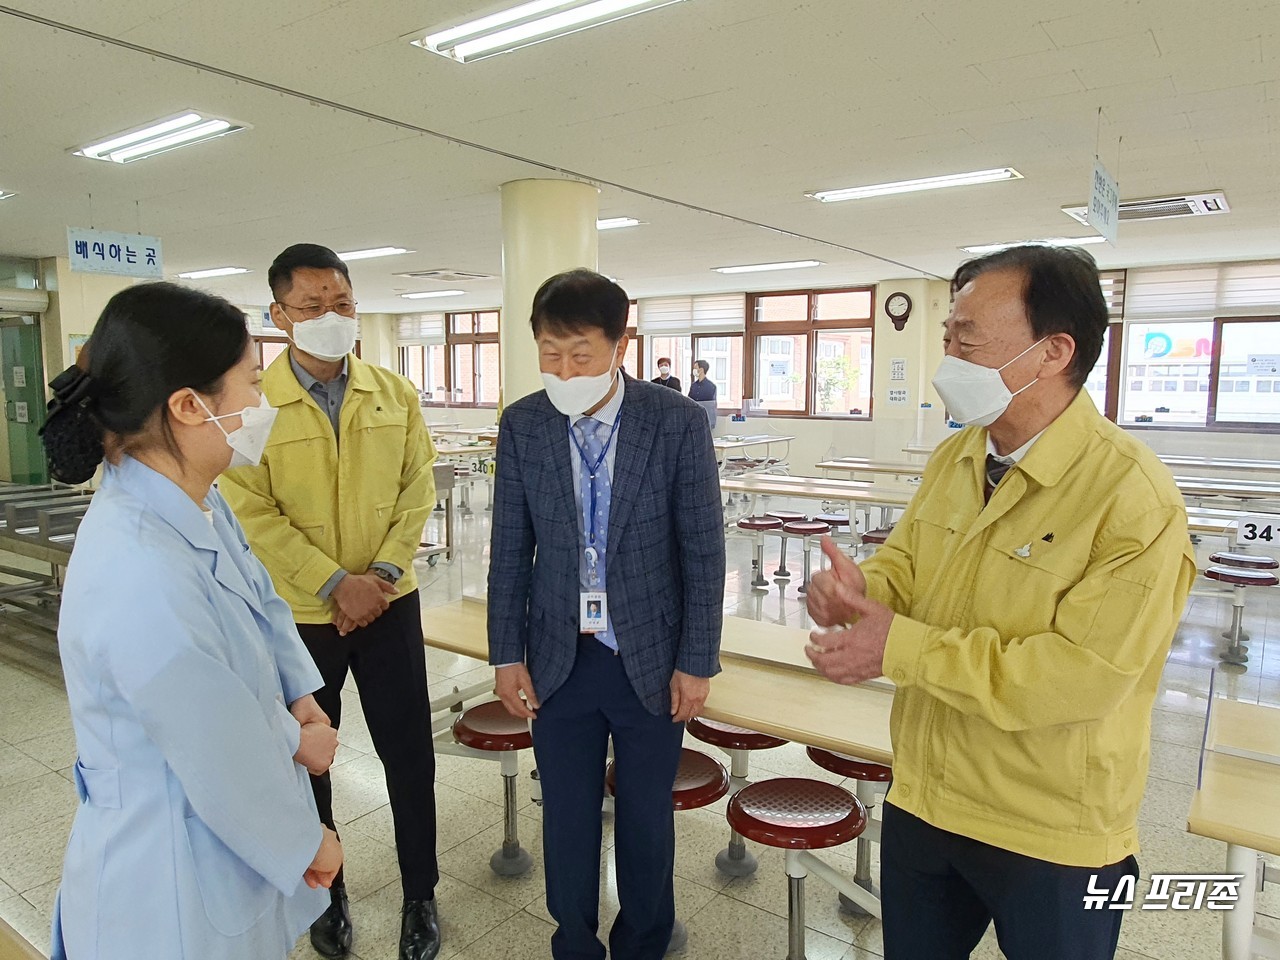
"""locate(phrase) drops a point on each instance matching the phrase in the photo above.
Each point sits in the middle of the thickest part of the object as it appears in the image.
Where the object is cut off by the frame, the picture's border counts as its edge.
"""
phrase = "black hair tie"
(71, 388)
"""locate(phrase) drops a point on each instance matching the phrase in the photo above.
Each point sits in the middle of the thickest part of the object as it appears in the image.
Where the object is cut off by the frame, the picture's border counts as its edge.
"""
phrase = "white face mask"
(975, 394)
(249, 440)
(664, 372)
(577, 394)
(330, 337)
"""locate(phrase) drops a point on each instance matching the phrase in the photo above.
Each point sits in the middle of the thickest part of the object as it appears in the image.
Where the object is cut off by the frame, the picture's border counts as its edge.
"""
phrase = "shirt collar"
(1017, 455)
(164, 498)
(609, 412)
(306, 379)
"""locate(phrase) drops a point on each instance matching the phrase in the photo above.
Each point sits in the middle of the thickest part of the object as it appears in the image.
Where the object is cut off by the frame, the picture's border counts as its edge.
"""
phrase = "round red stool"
(867, 774)
(735, 860)
(757, 526)
(701, 780)
(1240, 579)
(796, 816)
(1248, 561)
(1243, 561)
(488, 727)
(786, 516)
(875, 538)
(806, 530)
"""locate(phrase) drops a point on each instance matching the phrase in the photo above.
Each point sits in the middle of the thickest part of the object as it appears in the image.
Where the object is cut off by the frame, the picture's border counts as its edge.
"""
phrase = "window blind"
(1204, 291)
(425, 328)
(708, 313)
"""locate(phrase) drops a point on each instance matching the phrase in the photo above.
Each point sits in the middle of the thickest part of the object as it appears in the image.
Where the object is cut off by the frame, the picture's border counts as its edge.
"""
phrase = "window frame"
(473, 339)
(699, 355)
(1211, 424)
(810, 328)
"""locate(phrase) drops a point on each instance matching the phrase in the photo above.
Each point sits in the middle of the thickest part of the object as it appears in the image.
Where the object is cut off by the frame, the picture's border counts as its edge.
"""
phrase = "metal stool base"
(851, 909)
(511, 863)
(731, 866)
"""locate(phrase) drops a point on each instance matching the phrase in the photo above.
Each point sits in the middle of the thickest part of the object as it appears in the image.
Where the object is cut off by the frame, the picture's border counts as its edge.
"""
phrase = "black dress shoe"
(419, 930)
(331, 933)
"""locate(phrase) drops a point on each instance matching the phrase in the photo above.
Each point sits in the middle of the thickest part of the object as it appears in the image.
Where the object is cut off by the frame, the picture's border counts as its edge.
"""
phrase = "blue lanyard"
(593, 469)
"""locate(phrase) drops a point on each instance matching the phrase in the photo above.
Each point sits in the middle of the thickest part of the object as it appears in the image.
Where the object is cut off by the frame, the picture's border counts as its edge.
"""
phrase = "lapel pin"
(1024, 551)
(1047, 538)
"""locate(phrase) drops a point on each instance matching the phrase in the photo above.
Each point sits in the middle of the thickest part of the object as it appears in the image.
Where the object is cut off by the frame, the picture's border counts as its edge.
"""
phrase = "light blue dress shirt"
(606, 415)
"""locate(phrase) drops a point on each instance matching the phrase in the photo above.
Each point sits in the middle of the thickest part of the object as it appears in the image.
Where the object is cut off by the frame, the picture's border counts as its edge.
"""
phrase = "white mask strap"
(1024, 353)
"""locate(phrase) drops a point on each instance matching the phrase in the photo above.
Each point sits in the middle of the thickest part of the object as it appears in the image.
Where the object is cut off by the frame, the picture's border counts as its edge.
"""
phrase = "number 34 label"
(1259, 529)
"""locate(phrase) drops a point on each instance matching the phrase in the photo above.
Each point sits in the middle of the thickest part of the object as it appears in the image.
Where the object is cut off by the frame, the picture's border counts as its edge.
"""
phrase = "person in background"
(701, 388)
(664, 377)
(606, 502)
(190, 691)
(1023, 606)
(336, 512)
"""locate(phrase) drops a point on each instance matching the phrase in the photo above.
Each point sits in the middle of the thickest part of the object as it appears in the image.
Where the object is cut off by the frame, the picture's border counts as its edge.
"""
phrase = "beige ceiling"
(708, 119)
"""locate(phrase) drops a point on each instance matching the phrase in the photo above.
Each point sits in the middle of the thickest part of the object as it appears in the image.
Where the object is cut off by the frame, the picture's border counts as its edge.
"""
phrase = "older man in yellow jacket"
(1024, 606)
(335, 512)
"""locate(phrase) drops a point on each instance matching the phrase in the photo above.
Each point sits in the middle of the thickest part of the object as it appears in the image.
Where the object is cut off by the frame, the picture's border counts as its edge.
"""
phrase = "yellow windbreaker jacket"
(308, 511)
(1030, 638)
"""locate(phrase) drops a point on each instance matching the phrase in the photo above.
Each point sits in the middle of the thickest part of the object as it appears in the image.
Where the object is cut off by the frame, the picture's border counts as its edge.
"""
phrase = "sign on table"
(1262, 530)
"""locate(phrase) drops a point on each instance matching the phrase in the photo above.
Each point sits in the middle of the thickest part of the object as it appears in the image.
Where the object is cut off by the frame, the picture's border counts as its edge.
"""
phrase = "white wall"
(75, 302)
(378, 340)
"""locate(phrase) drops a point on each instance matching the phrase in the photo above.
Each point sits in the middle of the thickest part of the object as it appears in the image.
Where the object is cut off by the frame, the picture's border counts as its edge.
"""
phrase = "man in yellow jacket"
(1024, 606)
(335, 511)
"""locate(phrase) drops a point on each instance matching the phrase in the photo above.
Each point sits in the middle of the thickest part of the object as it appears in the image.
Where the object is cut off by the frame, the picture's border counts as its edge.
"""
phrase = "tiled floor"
(488, 918)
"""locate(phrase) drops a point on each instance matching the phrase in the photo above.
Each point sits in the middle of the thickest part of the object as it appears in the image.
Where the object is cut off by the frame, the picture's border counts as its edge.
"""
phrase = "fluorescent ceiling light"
(615, 223)
(761, 267)
(373, 252)
(432, 294)
(526, 24)
(1047, 241)
(911, 186)
(5, 195)
(159, 137)
(215, 272)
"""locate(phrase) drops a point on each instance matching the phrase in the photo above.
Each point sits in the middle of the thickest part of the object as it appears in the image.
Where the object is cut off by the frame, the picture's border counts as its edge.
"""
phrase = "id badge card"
(593, 611)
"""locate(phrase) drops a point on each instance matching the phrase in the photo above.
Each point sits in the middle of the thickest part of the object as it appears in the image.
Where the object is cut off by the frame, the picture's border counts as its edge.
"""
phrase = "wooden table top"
(1236, 801)
(1225, 487)
(865, 465)
(465, 449)
(767, 683)
(1220, 463)
(457, 431)
(817, 488)
(724, 443)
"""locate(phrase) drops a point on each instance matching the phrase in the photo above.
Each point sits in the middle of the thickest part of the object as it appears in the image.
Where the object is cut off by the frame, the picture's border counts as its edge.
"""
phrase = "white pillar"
(378, 340)
(548, 226)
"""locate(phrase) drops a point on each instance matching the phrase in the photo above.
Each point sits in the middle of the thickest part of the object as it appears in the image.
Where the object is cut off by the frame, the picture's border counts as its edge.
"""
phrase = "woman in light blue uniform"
(197, 835)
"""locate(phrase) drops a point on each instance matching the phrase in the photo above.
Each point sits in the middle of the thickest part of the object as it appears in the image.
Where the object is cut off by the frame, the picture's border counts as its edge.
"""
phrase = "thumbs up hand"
(834, 595)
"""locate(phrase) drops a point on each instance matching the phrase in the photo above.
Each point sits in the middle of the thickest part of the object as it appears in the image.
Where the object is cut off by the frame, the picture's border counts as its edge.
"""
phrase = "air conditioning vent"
(447, 276)
(1162, 208)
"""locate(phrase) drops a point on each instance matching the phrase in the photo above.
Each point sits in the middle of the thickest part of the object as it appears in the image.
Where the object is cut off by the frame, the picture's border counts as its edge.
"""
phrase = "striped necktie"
(996, 469)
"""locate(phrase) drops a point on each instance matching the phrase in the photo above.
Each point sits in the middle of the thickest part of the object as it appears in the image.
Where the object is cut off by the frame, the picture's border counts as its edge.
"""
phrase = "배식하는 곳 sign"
(124, 254)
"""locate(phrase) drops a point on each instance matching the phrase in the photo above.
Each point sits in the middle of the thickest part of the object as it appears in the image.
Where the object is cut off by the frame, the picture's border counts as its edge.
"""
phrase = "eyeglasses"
(311, 311)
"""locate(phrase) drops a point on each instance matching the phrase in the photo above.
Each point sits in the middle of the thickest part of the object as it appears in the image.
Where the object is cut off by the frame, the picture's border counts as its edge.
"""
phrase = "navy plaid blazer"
(666, 544)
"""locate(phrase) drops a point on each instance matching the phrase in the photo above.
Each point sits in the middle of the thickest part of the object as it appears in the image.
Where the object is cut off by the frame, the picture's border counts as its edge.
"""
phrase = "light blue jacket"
(195, 825)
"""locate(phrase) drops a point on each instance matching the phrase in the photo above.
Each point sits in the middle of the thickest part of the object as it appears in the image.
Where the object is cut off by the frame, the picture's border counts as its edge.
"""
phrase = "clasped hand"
(361, 599)
(837, 598)
(317, 740)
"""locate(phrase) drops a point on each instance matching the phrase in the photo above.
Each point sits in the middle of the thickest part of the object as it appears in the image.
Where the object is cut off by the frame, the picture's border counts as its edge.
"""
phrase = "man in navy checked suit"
(606, 488)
